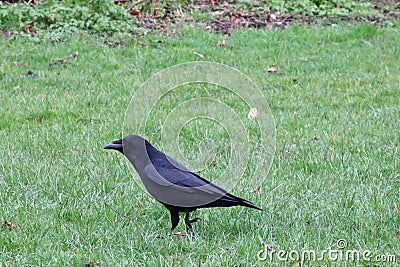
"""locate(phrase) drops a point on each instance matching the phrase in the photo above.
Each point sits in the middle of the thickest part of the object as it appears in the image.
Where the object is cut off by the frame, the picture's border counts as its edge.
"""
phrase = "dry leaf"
(214, 2)
(157, 74)
(178, 13)
(239, 12)
(141, 43)
(16, 88)
(218, 13)
(227, 31)
(397, 234)
(198, 54)
(135, 13)
(17, 64)
(395, 208)
(28, 27)
(296, 264)
(39, 121)
(155, 12)
(221, 43)
(67, 94)
(272, 68)
(8, 224)
(253, 113)
(225, 4)
(232, 19)
(178, 234)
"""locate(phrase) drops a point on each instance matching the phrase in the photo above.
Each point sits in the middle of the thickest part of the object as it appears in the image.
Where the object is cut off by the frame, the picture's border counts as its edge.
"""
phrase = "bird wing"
(165, 174)
(170, 182)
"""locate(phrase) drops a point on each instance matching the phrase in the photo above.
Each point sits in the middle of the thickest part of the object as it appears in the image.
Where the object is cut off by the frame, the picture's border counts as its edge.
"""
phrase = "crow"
(171, 183)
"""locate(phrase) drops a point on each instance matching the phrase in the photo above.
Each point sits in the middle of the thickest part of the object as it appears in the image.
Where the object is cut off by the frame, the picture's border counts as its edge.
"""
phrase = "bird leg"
(174, 219)
(189, 222)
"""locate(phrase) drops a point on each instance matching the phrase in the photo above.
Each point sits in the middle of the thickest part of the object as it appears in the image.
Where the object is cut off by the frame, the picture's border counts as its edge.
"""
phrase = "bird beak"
(116, 145)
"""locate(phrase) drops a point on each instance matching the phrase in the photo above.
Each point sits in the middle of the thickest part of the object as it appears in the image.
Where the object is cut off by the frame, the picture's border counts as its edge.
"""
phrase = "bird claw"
(194, 220)
(188, 223)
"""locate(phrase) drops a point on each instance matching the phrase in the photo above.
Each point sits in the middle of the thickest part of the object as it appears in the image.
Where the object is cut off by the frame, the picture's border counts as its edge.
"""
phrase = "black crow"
(171, 183)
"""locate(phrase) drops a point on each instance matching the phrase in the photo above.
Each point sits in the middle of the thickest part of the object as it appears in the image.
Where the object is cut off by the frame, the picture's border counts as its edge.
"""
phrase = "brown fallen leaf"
(232, 19)
(8, 224)
(17, 88)
(225, 4)
(27, 27)
(395, 208)
(135, 13)
(239, 12)
(198, 54)
(39, 121)
(272, 68)
(155, 12)
(17, 64)
(253, 113)
(397, 234)
(141, 43)
(214, 2)
(218, 13)
(76, 149)
(178, 234)
(221, 43)
(157, 74)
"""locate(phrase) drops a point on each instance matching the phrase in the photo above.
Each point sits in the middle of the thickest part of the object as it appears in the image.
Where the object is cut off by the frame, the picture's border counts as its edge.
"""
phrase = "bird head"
(115, 145)
(128, 144)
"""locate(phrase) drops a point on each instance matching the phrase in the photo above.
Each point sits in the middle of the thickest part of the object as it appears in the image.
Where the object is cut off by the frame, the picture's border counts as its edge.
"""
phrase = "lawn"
(334, 182)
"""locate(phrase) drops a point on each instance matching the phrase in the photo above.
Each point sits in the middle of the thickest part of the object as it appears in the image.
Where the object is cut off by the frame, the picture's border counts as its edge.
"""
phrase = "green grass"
(335, 101)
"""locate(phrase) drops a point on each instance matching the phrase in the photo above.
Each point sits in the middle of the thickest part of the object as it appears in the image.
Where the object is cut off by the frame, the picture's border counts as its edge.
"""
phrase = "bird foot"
(188, 223)
(194, 220)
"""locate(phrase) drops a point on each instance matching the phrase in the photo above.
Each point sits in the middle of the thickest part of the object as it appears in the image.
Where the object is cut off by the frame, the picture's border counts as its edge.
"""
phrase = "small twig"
(289, 17)
(198, 54)
(62, 61)
(217, 21)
